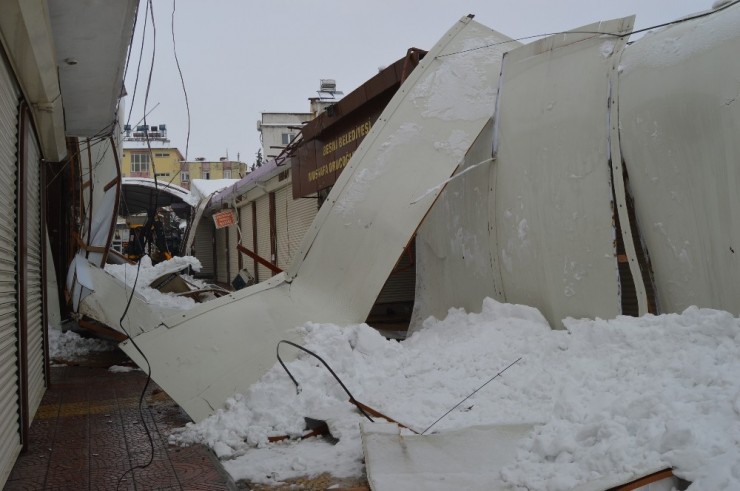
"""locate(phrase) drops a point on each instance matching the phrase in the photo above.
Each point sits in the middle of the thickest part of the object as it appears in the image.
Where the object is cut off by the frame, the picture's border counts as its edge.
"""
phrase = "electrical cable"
(297, 386)
(182, 80)
(617, 35)
(146, 384)
(138, 66)
(125, 312)
(471, 395)
(131, 42)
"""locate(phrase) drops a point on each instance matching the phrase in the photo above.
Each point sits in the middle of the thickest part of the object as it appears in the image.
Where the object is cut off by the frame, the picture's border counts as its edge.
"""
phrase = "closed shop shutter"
(293, 218)
(233, 252)
(263, 235)
(222, 255)
(10, 443)
(203, 243)
(282, 221)
(400, 285)
(301, 213)
(34, 266)
(245, 220)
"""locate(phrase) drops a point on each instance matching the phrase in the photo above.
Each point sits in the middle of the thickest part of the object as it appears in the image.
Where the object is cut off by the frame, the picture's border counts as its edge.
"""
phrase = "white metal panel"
(110, 297)
(372, 212)
(233, 232)
(203, 243)
(34, 247)
(553, 198)
(101, 202)
(455, 262)
(367, 212)
(222, 255)
(9, 404)
(680, 121)
(470, 458)
(263, 235)
(245, 220)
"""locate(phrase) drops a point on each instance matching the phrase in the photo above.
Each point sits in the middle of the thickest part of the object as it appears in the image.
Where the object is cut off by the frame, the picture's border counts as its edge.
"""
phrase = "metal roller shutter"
(245, 222)
(301, 213)
(222, 256)
(263, 235)
(10, 442)
(233, 252)
(282, 224)
(401, 284)
(293, 218)
(203, 243)
(34, 266)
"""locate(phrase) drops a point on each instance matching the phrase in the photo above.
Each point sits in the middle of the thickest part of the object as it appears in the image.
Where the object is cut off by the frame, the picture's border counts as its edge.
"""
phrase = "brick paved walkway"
(88, 432)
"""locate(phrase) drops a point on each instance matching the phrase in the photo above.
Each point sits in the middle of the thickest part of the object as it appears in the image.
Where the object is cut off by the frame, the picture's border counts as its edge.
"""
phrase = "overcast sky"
(243, 57)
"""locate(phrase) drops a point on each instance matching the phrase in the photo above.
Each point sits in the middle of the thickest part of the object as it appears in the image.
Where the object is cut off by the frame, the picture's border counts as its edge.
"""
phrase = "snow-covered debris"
(69, 345)
(203, 188)
(606, 396)
(148, 273)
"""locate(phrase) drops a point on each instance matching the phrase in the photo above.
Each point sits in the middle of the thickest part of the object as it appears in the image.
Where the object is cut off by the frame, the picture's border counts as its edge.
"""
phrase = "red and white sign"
(224, 218)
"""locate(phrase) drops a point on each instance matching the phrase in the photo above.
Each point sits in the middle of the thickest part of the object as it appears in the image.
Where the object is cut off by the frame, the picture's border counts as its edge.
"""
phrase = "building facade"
(170, 166)
(61, 74)
(277, 130)
(164, 162)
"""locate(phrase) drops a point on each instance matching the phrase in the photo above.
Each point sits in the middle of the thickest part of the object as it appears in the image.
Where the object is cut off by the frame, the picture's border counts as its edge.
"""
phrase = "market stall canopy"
(139, 194)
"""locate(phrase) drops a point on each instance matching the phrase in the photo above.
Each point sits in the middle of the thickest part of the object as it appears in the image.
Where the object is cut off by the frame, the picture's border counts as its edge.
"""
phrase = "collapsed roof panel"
(202, 357)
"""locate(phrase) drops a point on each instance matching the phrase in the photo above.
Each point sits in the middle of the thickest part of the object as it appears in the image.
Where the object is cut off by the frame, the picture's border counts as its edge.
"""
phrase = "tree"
(258, 161)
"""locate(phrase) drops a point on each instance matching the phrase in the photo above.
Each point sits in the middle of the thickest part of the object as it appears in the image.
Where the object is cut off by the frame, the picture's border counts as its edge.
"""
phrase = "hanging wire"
(138, 67)
(133, 290)
(182, 80)
(614, 34)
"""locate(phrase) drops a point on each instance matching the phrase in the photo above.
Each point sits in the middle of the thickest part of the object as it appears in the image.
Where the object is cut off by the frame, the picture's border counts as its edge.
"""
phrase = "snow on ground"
(121, 369)
(609, 396)
(148, 273)
(69, 345)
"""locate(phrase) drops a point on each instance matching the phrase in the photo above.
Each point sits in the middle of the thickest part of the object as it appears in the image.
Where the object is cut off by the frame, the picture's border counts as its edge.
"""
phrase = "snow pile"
(148, 273)
(608, 397)
(69, 345)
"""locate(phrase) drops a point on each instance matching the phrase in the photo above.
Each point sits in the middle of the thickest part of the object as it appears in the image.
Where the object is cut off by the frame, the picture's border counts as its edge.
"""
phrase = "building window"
(162, 174)
(161, 155)
(227, 174)
(287, 138)
(205, 174)
(140, 163)
(184, 176)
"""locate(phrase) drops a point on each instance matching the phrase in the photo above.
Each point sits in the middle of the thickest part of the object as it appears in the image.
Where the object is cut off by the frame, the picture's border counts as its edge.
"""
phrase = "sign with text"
(224, 218)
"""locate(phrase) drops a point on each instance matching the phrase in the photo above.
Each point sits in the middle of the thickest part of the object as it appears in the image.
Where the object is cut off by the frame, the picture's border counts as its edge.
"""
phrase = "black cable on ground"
(146, 385)
(297, 386)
